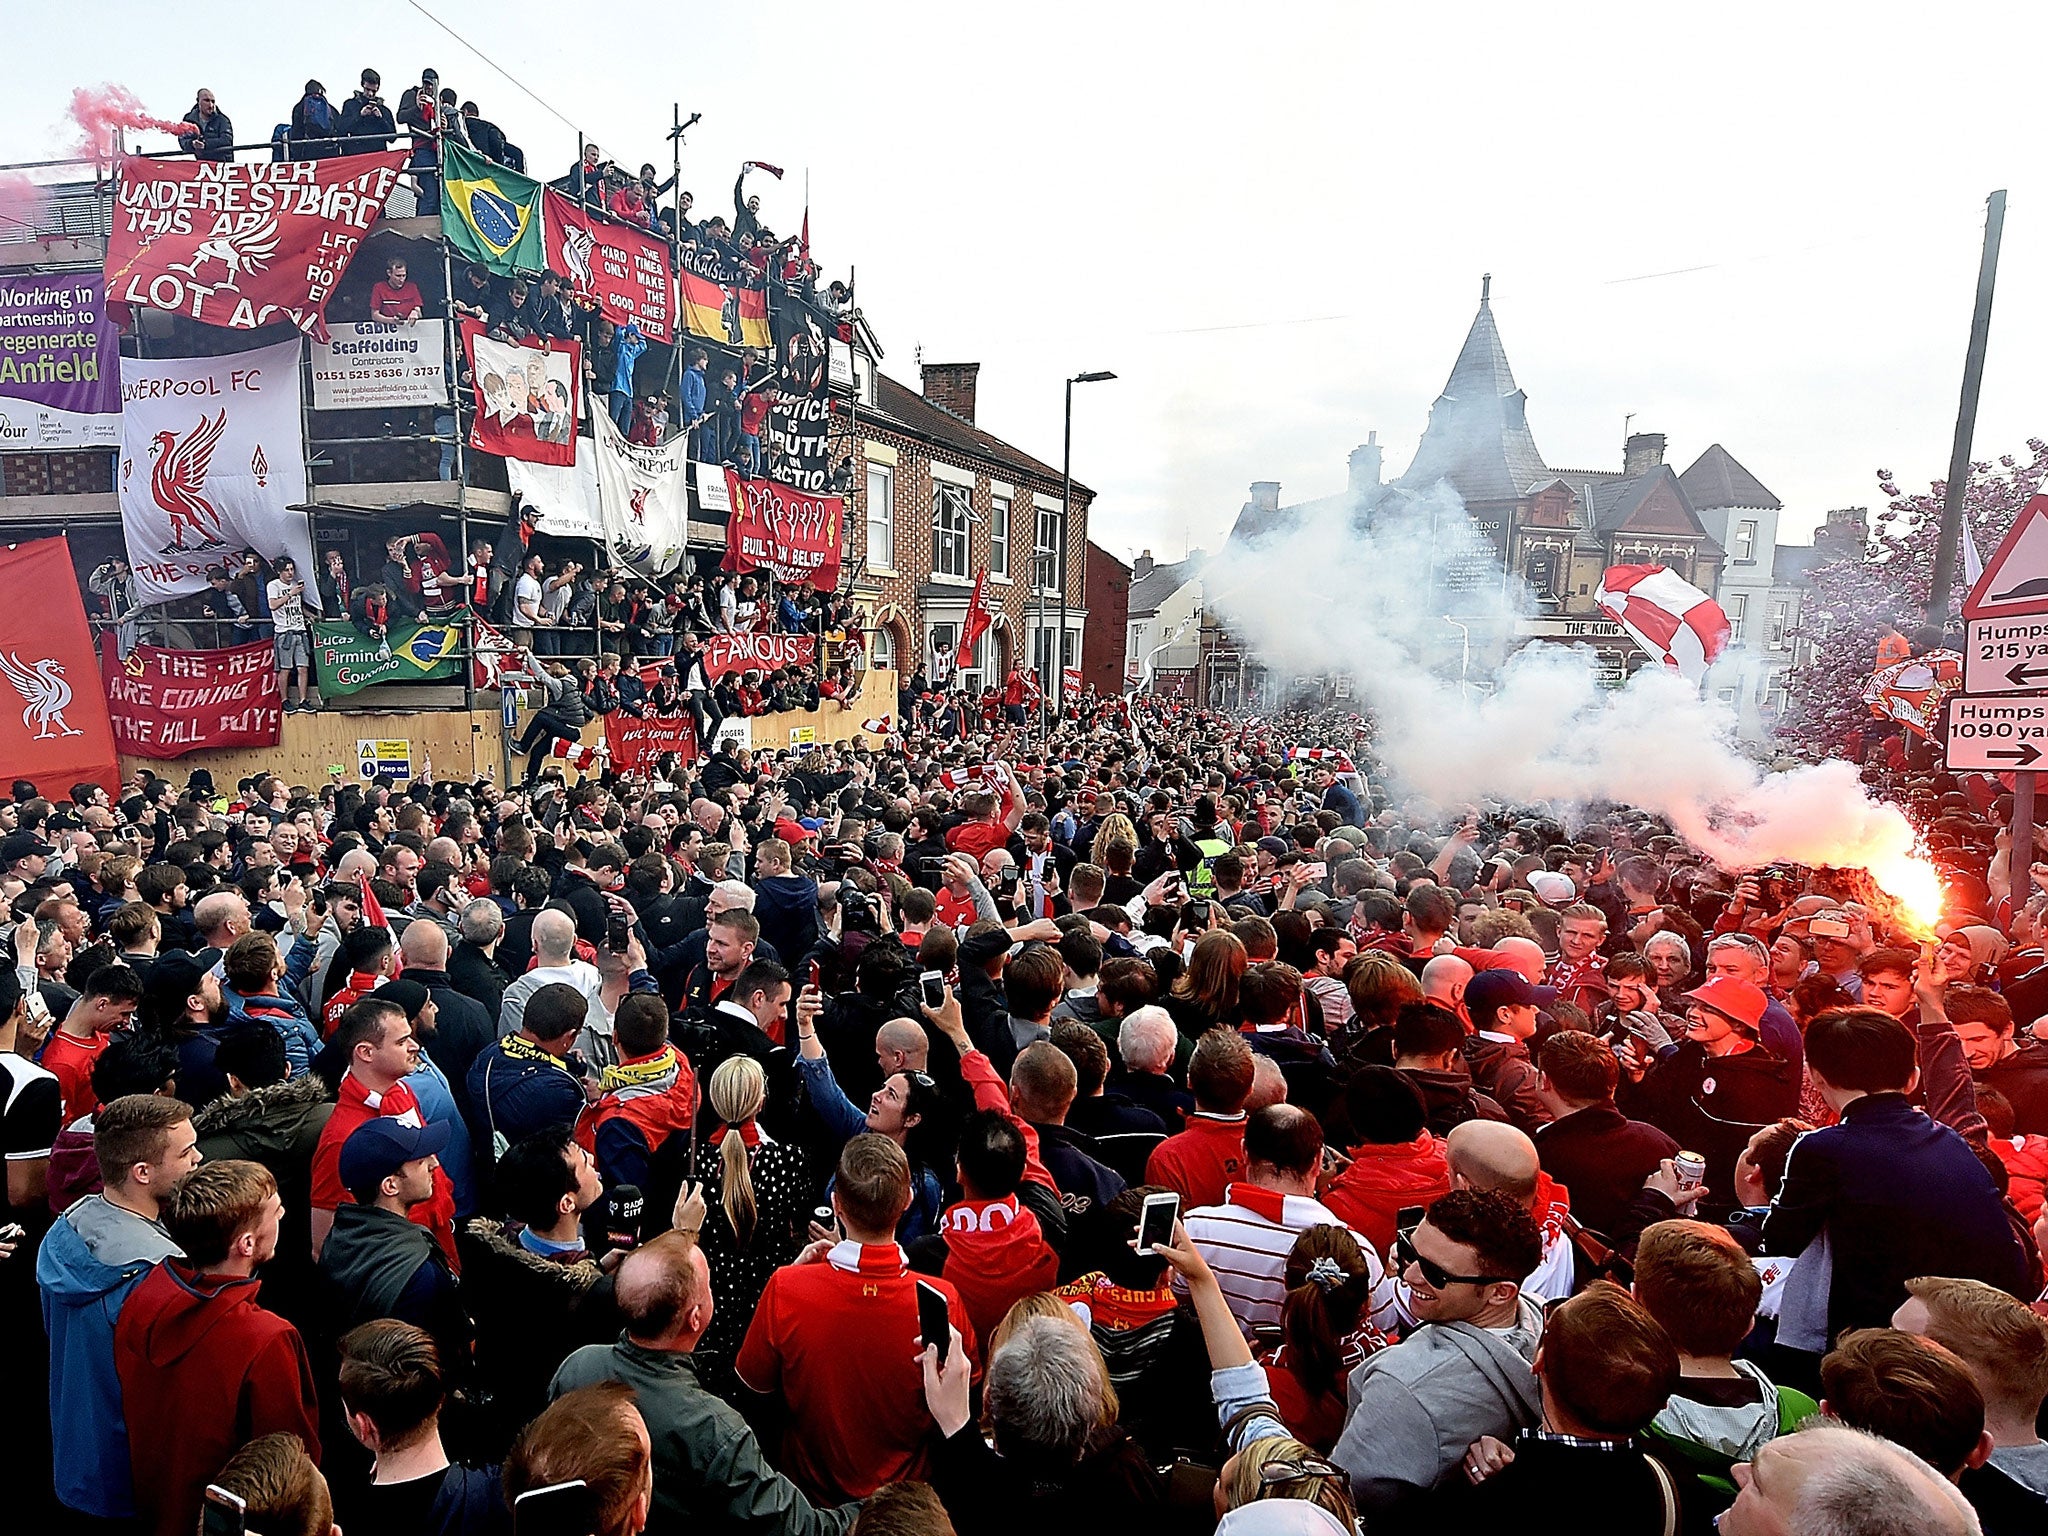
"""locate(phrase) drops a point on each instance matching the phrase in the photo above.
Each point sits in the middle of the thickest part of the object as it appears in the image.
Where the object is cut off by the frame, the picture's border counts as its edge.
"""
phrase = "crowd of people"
(1147, 1121)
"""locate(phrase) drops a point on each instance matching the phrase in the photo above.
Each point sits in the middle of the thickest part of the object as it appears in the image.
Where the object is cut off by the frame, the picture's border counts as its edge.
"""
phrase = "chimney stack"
(1643, 452)
(950, 386)
(1142, 566)
(1365, 466)
(1266, 495)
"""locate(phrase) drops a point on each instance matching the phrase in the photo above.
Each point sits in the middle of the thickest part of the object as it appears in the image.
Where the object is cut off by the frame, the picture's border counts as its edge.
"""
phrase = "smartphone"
(1409, 1217)
(1008, 880)
(560, 1509)
(934, 1319)
(222, 1513)
(1198, 914)
(1828, 928)
(811, 975)
(932, 984)
(618, 933)
(1318, 869)
(931, 866)
(1155, 1220)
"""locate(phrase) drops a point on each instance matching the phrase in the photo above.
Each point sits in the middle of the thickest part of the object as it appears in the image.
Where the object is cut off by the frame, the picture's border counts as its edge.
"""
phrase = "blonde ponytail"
(739, 1087)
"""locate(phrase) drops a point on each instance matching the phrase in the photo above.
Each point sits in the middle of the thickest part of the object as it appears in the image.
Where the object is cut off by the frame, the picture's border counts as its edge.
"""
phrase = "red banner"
(527, 397)
(620, 269)
(792, 533)
(246, 244)
(757, 653)
(166, 703)
(637, 744)
(53, 716)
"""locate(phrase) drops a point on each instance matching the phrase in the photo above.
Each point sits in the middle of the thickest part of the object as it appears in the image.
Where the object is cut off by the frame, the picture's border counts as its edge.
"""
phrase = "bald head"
(1269, 1084)
(1490, 1155)
(1827, 1477)
(423, 946)
(1524, 955)
(1043, 1083)
(554, 937)
(901, 1045)
(663, 1291)
(356, 862)
(445, 850)
(1444, 980)
(221, 917)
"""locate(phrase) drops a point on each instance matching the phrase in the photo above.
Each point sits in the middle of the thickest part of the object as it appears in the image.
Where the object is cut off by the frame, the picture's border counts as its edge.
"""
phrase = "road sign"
(1996, 735)
(2006, 655)
(2015, 579)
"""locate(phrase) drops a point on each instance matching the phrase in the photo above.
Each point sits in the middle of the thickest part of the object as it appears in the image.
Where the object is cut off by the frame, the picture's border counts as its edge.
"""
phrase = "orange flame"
(1912, 887)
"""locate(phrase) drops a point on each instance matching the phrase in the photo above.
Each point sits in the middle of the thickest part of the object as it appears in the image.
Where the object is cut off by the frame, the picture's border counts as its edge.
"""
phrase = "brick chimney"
(1142, 566)
(1266, 495)
(950, 386)
(1643, 452)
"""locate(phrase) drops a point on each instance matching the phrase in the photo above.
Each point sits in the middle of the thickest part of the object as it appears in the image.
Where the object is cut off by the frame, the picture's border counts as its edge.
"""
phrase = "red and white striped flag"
(761, 165)
(876, 727)
(1678, 624)
(578, 756)
(973, 776)
(1329, 757)
(489, 649)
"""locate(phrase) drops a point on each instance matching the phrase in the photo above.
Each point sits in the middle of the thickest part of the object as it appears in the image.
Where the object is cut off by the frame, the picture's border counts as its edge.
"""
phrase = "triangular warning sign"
(2015, 579)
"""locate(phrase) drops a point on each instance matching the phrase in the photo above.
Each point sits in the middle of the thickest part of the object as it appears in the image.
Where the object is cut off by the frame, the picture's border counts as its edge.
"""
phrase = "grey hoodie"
(1735, 1433)
(1416, 1408)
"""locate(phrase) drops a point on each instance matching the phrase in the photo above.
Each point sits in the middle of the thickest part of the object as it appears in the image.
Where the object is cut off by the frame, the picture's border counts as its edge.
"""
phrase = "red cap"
(1743, 1001)
(790, 832)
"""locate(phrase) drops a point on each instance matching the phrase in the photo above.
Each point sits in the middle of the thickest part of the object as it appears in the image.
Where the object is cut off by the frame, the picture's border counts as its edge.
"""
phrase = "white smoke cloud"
(1321, 595)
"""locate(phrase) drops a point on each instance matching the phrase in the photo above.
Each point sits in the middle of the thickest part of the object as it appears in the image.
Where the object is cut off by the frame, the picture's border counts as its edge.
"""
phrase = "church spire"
(1485, 289)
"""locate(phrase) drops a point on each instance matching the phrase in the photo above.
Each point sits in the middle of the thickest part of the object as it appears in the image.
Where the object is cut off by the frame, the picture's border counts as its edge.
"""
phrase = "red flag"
(373, 909)
(762, 165)
(54, 726)
(804, 239)
(978, 620)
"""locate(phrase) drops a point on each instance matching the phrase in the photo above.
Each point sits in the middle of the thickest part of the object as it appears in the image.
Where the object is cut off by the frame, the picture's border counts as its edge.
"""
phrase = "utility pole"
(1955, 492)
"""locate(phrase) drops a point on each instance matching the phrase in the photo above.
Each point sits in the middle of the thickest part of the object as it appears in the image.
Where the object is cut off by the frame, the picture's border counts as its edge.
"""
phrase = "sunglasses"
(1298, 1469)
(1434, 1273)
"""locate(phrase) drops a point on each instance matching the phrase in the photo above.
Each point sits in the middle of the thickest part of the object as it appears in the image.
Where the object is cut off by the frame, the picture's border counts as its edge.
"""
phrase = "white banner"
(714, 491)
(563, 499)
(212, 463)
(644, 494)
(381, 363)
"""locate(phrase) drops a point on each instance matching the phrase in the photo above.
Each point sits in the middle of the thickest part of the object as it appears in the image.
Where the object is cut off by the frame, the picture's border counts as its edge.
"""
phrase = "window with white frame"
(881, 517)
(882, 648)
(1045, 550)
(1745, 539)
(999, 536)
(1737, 609)
(1781, 625)
(1041, 657)
(949, 530)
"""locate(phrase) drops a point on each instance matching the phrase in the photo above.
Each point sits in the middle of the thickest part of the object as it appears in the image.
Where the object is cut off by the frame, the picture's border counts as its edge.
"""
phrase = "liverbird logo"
(577, 244)
(241, 250)
(177, 475)
(43, 689)
(637, 502)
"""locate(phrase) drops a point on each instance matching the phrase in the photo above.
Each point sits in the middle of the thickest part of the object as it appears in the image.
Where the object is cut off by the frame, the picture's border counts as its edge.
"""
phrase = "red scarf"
(750, 1134)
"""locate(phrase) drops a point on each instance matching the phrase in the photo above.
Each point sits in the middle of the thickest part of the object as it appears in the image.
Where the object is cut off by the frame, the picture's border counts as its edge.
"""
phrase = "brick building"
(936, 499)
(1104, 643)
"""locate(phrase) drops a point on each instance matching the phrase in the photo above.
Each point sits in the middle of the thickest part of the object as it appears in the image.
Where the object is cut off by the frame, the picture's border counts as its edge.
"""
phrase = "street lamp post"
(1058, 647)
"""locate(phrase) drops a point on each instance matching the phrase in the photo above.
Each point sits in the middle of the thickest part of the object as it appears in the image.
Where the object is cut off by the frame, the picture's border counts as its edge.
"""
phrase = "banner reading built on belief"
(791, 533)
(60, 363)
(165, 703)
(246, 244)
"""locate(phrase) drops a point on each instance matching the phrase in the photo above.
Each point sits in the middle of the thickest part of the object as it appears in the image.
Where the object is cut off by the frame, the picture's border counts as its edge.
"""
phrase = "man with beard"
(184, 998)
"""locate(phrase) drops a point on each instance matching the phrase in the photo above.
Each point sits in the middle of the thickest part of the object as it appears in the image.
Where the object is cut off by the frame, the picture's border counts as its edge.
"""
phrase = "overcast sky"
(1751, 224)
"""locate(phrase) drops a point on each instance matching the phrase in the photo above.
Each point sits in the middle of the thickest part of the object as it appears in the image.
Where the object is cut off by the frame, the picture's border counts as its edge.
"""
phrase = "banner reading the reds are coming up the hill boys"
(165, 703)
(211, 464)
(244, 244)
(54, 728)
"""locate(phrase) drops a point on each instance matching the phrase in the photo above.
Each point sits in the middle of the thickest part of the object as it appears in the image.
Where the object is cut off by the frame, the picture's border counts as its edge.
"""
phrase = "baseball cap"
(1276, 846)
(791, 832)
(1503, 988)
(811, 823)
(22, 845)
(172, 978)
(1552, 888)
(1742, 1001)
(380, 1147)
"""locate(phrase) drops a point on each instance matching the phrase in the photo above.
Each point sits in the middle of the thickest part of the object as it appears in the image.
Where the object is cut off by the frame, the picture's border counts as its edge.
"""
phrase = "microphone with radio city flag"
(614, 1222)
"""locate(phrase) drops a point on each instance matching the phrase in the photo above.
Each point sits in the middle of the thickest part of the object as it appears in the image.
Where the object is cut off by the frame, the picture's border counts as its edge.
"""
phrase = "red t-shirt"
(71, 1059)
(352, 1108)
(979, 838)
(753, 411)
(391, 303)
(955, 911)
(1202, 1161)
(838, 1340)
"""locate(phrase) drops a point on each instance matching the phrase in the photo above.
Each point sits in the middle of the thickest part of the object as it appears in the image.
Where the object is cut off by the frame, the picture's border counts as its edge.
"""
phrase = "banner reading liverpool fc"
(620, 269)
(644, 496)
(723, 301)
(526, 397)
(60, 375)
(792, 533)
(166, 703)
(211, 464)
(243, 244)
(54, 728)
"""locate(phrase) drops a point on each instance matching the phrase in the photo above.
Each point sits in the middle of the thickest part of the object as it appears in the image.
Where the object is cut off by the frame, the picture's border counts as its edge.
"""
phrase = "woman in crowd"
(561, 718)
(1206, 994)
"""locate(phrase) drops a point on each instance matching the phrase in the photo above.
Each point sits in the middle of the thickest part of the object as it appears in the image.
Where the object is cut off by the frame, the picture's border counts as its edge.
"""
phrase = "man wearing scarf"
(991, 1247)
(644, 1098)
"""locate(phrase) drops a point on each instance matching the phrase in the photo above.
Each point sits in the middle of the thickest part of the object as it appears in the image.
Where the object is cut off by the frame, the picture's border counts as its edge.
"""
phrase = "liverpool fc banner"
(211, 464)
(792, 533)
(620, 269)
(644, 496)
(243, 245)
(54, 729)
(723, 301)
(166, 703)
(526, 397)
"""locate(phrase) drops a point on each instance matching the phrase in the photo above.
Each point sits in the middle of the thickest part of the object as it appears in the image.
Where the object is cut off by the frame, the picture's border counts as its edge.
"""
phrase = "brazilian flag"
(490, 214)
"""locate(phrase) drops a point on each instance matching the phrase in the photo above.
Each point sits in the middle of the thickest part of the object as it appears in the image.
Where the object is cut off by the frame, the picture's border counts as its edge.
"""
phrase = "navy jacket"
(517, 1089)
(1899, 1195)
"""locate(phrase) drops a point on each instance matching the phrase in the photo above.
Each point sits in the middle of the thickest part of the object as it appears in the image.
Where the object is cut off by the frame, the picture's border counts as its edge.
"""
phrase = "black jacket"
(531, 1313)
(1712, 1106)
(478, 977)
(2023, 1078)
(1602, 1157)
(462, 1031)
(368, 120)
(210, 139)
(1124, 1132)
(1605, 1488)
(376, 1264)
(1898, 1195)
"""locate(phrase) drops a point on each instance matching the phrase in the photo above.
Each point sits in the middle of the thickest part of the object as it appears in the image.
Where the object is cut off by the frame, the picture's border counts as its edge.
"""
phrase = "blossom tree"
(1854, 591)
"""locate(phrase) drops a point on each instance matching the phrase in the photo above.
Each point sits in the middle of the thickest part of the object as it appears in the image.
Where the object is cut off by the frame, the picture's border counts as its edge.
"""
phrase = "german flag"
(720, 306)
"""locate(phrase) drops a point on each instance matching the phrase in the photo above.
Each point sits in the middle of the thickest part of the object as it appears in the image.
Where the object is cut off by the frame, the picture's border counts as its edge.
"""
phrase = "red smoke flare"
(99, 112)
(21, 203)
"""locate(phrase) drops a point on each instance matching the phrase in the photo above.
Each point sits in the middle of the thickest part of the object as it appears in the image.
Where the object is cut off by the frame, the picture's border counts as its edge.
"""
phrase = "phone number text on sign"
(380, 364)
